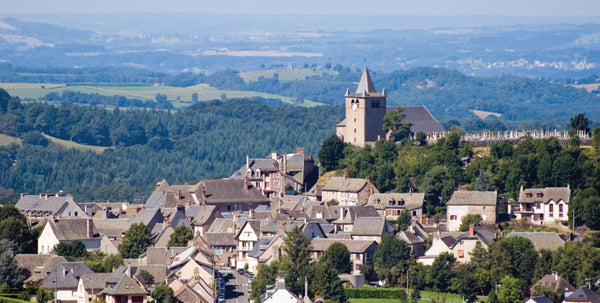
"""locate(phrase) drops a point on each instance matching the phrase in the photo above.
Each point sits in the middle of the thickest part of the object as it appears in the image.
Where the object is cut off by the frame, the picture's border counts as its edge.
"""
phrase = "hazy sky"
(312, 7)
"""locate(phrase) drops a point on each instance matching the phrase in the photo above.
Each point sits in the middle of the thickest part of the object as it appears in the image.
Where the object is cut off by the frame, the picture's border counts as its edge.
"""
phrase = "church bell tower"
(365, 109)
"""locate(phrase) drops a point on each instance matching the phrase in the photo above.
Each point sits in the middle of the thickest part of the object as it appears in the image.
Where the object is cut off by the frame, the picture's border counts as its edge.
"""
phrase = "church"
(365, 109)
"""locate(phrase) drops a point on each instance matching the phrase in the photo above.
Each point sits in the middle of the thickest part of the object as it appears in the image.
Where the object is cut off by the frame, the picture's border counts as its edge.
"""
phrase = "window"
(356, 266)
(551, 210)
(539, 195)
(276, 174)
(258, 173)
(528, 195)
(375, 104)
(452, 217)
(461, 253)
(538, 205)
(249, 173)
(560, 210)
(276, 184)
(267, 184)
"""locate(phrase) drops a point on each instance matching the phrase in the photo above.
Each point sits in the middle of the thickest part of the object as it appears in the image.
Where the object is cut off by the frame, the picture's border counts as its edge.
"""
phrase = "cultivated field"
(181, 96)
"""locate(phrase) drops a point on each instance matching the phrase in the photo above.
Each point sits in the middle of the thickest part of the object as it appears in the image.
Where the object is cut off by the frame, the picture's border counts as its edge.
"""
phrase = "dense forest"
(207, 140)
(451, 96)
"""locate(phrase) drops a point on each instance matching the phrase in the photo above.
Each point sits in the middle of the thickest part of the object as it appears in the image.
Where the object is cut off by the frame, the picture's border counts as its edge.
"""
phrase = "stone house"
(228, 195)
(391, 205)
(348, 191)
(462, 203)
(36, 207)
(543, 206)
(459, 244)
(67, 231)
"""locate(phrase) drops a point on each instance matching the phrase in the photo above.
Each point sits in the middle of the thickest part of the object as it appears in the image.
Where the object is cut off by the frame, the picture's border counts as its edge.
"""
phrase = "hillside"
(205, 140)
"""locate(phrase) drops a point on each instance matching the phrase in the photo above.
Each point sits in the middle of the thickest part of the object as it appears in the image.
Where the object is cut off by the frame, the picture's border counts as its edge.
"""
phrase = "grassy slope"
(71, 144)
(148, 92)
(7, 140)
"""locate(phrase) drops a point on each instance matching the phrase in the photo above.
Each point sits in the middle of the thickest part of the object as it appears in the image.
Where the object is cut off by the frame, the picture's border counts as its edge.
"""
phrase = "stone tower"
(365, 110)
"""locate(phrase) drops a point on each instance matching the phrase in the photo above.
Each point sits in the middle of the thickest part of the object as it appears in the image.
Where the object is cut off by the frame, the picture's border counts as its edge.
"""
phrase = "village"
(239, 223)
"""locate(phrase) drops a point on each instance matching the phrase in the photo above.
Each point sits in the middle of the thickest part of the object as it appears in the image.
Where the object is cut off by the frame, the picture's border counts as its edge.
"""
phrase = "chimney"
(471, 230)
(326, 203)
(280, 228)
(345, 175)
(189, 202)
(555, 275)
(180, 207)
(341, 213)
(274, 156)
(251, 214)
(137, 209)
(203, 194)
(90, 228)
(247, 161)
(165, 223)
(299, 150)
(245, 183)
(89, 208)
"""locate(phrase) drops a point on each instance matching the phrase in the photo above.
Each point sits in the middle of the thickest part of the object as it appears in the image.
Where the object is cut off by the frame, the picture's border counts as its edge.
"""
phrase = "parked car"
(241, 271)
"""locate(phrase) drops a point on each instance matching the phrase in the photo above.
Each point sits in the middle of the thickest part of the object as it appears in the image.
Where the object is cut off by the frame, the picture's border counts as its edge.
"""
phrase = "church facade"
(365, 109)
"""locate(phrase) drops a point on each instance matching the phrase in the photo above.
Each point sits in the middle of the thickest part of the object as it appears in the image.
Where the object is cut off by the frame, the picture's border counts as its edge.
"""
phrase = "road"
(237, 289)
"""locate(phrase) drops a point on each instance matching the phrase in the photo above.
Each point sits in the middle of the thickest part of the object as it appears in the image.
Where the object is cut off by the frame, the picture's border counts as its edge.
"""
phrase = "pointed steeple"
(365, 85)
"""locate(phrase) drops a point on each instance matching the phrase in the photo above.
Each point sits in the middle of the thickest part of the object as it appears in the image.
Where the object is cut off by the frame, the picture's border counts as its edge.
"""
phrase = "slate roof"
(66, 275)
(369, 226)
(365, 87)
(71, 229)
(230, 191)
(124, 286)
(149, 217)
(44, 203)
(406, 200)
(220, 239)
(354, 246)
(157, 255)
(482, 233)
(540, 240)
(96, 281)
(548, 193)
(409, 237)
(221, 225)
(111, 227)
(554, 282)
(38, 265)
(422, 120)
(156, 200)
(463, 197)
(342, 184)
(583, 294)
(207, 213)
(259, 247)
(158, 271)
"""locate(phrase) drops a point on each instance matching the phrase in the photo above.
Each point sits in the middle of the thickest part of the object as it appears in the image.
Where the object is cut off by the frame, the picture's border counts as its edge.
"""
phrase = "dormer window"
(393, 202)
(539, 195)
(257, 173)
(249, 173)
(401, 202)
(528, 195)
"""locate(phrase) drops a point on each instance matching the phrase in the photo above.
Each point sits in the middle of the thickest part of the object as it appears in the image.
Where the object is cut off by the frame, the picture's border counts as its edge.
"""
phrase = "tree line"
(206, 140)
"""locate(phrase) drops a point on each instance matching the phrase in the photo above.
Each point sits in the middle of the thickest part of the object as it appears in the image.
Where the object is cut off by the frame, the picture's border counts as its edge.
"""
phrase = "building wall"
(364, 120)
(47, 240)
(455, 213)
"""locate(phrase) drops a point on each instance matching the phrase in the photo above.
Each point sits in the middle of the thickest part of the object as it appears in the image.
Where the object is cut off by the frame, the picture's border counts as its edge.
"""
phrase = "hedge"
(366, 292)
(11, 300)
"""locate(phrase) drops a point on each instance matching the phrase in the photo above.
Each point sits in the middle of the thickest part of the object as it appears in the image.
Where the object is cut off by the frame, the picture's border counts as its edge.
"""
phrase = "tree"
(145, 277)
(265, 276)
(112, 261)
(441, 272)
(390, 256)
(44, 295)
(468, 220)
(295, 261)
(327, 284)
(337, 256)
(392, 123)
(484, 182)
(71, 251)
(464, 282)
(135, 241)
(579, 122)
(10, 273)
(164, 294)
(331, 152)
(509, 290)
(523, 256)
(180, 236)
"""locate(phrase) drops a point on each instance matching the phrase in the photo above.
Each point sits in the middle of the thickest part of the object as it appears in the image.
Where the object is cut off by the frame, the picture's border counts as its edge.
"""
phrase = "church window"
(355, 130)
(375, 104)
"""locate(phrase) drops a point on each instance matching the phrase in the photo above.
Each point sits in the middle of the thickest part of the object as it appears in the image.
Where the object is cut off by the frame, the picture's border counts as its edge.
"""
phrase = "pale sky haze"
(311, 7)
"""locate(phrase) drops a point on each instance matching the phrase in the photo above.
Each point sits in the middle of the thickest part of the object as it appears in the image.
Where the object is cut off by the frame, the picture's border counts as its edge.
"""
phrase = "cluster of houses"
(242, 221)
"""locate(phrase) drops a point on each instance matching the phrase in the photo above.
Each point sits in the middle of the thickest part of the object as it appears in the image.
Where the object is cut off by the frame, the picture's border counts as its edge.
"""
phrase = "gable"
(247, 233)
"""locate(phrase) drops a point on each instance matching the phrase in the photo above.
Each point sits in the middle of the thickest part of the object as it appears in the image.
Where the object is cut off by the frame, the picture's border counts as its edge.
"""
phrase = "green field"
(355, 300)
(181, 96)
(284, 74)
(71, 144)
